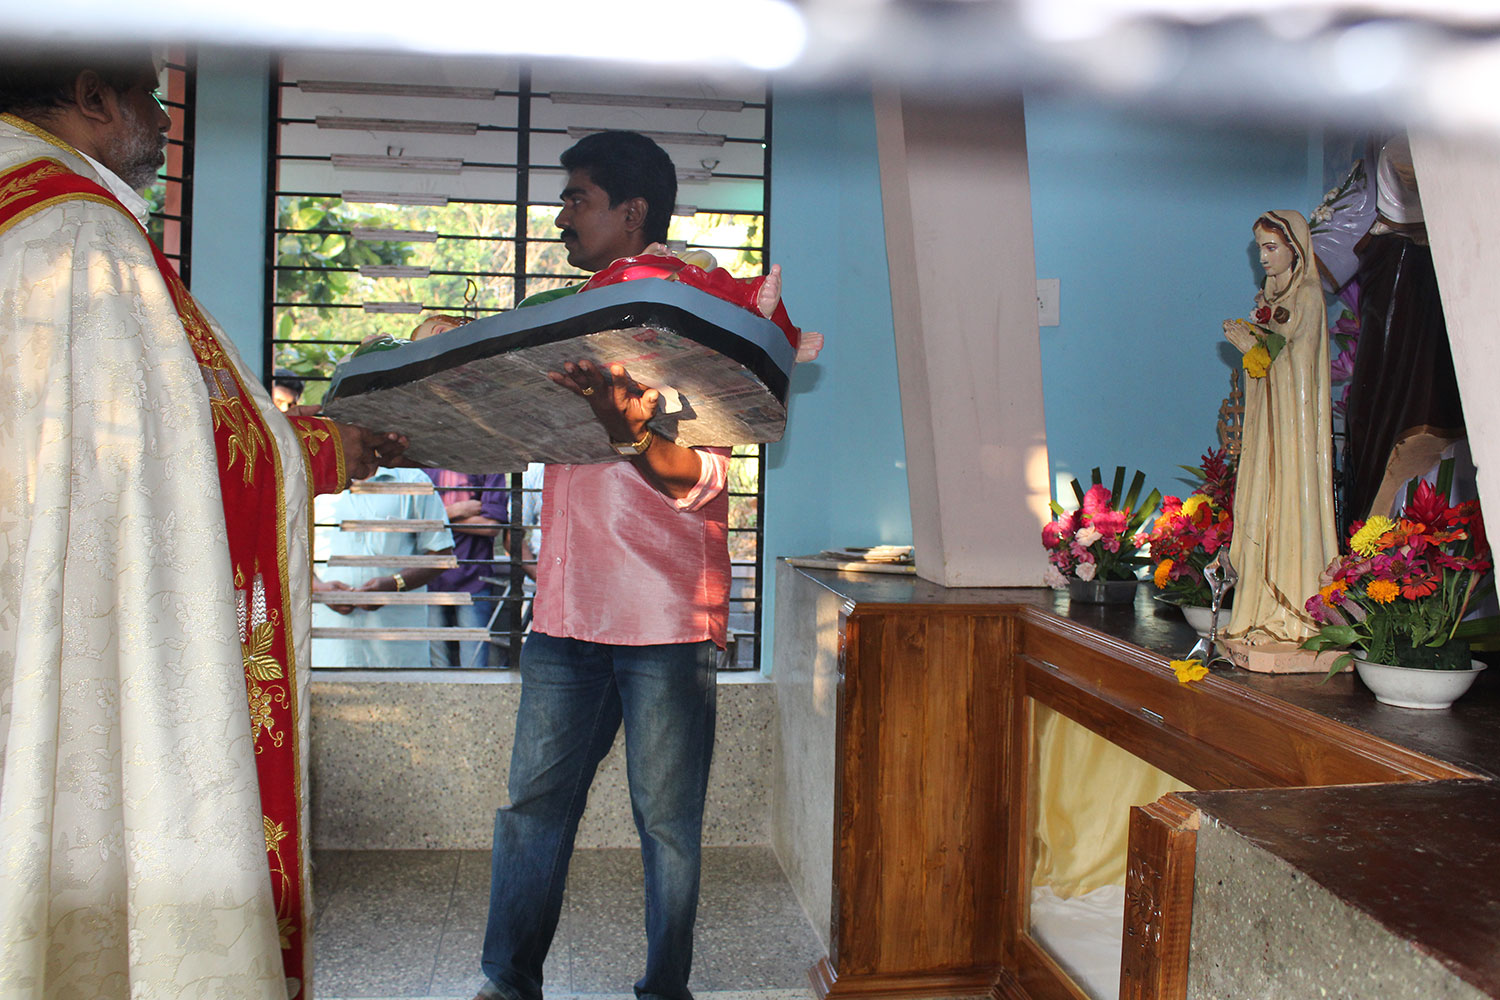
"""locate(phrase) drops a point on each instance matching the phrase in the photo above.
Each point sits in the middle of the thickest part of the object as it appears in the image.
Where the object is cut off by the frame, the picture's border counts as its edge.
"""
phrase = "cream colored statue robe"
(133, 860)
(1284, 528)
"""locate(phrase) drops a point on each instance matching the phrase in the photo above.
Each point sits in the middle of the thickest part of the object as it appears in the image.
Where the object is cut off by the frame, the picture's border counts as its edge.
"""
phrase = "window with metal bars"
(405, 187)
(171, 197)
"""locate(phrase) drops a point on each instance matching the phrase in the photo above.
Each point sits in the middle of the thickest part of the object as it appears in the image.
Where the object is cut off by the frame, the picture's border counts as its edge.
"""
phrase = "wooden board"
(478, 399)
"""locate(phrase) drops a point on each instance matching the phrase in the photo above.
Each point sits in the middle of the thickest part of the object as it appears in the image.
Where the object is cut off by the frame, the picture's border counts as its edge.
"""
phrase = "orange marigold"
(1163, 573)
(1336, 587)
(1383, 591)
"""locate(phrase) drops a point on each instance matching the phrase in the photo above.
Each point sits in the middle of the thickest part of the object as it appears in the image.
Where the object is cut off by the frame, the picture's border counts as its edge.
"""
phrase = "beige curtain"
(1082, 789)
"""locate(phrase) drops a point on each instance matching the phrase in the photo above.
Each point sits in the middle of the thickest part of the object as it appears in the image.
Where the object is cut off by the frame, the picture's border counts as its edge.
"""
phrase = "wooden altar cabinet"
(936, 689)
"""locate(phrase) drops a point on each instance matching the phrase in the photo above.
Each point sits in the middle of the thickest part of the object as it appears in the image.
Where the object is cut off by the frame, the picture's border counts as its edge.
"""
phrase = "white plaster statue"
(1284, 528)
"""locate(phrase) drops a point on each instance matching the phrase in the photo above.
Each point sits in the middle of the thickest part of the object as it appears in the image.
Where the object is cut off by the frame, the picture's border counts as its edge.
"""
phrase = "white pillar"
(1459, 181)
(957, 200)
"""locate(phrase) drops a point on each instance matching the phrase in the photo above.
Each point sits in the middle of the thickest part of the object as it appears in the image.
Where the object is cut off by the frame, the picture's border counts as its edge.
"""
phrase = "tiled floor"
(408, 924)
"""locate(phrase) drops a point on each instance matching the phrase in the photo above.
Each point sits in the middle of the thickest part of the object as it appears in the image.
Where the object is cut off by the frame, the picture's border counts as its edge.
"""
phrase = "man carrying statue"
(154, 588)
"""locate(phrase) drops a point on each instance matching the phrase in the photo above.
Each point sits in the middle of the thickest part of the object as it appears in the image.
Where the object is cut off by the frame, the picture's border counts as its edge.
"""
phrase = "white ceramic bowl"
(1412, 687)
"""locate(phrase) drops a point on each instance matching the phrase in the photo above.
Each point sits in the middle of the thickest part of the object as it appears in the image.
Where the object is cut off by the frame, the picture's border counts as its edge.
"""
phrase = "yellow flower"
(1383, 591)
(1257, 361)
(1188, 671)
(1191, 504)
(1365, 538)
(1163, 572)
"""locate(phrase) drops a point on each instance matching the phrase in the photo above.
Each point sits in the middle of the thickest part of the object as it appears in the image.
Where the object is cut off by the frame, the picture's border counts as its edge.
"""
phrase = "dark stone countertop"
(1417, 857)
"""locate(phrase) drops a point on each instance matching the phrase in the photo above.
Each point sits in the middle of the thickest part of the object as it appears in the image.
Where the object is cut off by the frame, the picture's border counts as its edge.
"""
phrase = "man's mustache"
(567, 233)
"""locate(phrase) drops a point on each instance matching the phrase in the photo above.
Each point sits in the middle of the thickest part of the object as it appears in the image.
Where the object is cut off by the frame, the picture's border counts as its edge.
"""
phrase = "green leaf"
(1481, 633)
(1333, 636)
(333, 245)
(1274, 343)
(306, 217)
(1444, 482)
(1338, 664)
(1134, 492)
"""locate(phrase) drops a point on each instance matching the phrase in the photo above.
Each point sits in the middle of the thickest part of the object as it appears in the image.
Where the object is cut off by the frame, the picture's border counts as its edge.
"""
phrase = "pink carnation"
(1096, 500)
(1110, 522)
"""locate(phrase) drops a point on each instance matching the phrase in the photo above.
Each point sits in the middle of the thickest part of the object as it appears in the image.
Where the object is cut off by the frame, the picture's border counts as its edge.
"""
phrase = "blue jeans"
(447, 653)
(574, 695)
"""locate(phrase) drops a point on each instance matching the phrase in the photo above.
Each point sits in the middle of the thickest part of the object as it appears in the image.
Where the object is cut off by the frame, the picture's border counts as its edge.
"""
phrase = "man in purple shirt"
(477, 506)
(629, 617)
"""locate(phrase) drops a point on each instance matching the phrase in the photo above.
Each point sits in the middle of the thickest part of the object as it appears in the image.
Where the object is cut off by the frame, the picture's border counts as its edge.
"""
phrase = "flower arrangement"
(1402, 590)
(1189, 533)
(1098, 540)
(1268, 343)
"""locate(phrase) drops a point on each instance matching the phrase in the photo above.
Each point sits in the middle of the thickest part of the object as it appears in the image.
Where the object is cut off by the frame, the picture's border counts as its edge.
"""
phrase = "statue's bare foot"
(808, 345)
(769, 294)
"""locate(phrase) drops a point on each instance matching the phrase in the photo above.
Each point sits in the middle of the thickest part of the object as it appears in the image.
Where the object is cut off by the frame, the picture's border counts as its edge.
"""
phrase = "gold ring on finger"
(587, 391)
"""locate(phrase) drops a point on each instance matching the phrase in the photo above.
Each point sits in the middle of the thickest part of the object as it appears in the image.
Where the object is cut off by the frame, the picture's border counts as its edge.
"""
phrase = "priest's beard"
(139, 155)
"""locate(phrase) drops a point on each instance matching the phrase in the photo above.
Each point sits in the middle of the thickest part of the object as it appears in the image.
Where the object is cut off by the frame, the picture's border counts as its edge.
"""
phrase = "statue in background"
(1404, 409)
(1284, 528)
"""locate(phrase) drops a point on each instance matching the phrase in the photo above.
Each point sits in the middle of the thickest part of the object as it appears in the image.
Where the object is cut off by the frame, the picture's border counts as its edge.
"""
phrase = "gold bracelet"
(400, 581)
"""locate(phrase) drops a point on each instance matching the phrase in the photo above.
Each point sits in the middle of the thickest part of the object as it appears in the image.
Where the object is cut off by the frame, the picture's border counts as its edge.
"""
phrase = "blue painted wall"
(1145, 222)
(839, 476)
(1147, 225)
(229, 194)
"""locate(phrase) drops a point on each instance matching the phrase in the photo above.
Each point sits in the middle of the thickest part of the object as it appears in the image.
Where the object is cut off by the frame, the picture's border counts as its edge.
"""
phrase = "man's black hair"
(289, 380)
(40, 79)
(629, 165)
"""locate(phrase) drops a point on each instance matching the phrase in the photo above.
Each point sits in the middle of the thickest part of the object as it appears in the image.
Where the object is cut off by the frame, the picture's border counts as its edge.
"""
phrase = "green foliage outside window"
(320, 290)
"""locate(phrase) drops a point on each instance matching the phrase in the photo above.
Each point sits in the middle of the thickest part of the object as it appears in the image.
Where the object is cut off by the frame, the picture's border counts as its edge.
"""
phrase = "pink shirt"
(623, 564)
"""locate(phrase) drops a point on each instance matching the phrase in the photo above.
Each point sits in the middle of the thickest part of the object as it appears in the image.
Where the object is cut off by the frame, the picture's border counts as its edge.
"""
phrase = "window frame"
(529, 178)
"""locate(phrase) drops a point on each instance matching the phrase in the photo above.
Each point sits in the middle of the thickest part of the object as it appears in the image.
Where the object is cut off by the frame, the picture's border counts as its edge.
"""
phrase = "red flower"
(1428, 506)
(1097, 499)
(1421, 586)
(1263, 315)
(1476, 531)
(1109, 523)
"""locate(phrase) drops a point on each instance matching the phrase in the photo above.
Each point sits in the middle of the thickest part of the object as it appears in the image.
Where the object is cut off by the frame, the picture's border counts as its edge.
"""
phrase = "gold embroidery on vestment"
(262, 717)
(245, 438)
(260, 665)
(23, 187)
(313, 437)
(275, 834)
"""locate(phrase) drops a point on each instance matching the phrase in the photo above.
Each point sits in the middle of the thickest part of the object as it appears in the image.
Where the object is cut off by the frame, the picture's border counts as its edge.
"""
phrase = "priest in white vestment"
(154, 583)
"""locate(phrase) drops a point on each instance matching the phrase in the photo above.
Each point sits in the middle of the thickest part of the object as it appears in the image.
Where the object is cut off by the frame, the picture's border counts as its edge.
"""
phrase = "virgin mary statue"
(1284, 529)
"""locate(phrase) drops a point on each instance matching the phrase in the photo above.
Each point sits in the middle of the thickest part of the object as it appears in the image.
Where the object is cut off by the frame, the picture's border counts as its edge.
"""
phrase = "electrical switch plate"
(1046, 301)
